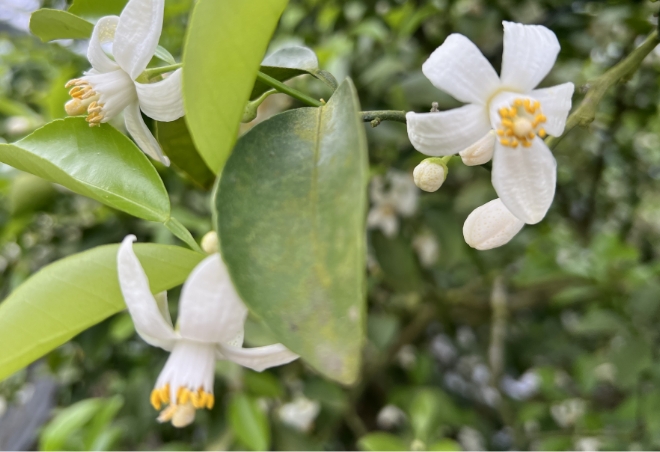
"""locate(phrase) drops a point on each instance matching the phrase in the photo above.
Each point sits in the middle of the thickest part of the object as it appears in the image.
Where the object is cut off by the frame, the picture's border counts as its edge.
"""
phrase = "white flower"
(209, 327)
(523, 388)
(389, 417)
(524, 170)
(300, 413)
(427, 247)
(111, 86)
(430, 174)
(490, 226)
(568, 412)
(400, 197)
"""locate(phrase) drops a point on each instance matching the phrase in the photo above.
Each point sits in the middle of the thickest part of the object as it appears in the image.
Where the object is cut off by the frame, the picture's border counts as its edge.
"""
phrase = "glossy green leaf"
(381, 441)
(98, 162)
(50, 24)
(291, 206)
(97, 8)
(248, 422)
(66, 422)
(178, 145)
(290, 62)
(225, 44)
(72, 294)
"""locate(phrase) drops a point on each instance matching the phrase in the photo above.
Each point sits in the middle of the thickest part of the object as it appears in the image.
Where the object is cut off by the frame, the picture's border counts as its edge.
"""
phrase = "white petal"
(104, 33)
(490, 226)
(138, 32)
(447, 132)
(525, 179)
(142, 135)
(210, 308)
(191, 365)
(141, 304)
(460, 69)
(555, 104)
(530, 51)
(258, 358)
(480, 152)
(163, 100)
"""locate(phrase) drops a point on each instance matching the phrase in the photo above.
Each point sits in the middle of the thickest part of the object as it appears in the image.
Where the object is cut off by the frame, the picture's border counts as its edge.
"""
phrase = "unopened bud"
(480, 152)
(210, 242)
(75, 107)
(490, 226)
(252, 107)
(430, 174)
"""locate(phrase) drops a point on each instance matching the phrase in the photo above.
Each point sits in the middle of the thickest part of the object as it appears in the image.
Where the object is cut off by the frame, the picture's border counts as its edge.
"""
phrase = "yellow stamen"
(542, 133)
(155, 399)
(514, 143)
(504, 112)
(518, 102)
(526, 143)
(210, 401)
(500, 132)
(505, 142)
(507, 123)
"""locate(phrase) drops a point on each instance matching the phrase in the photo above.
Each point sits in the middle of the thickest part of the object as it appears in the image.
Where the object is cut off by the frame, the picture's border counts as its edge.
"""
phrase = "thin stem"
(375, 117)
(153, 72)
(282, 88)
(586, 112)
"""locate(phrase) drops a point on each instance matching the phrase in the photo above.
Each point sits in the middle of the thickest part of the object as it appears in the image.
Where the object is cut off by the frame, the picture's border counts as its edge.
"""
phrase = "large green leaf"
(98, 162)
(50, 24)
(290, 62)
(290, 207)
(225, 44)
(72, 294)
(178, 145)
(97, 8)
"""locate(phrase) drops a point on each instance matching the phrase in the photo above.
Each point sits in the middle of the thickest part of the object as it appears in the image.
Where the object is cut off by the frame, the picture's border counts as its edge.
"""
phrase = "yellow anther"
(504, 112)
(540, 118)
(542, 133)
(531, 135)
(507, 123)
(500, 132)
(509, 132)
(165, 394)
(526, 143)
(514, 143)
(210, 401)
(155, 399)
(505, 142)
(185, 397)
(519, 102)
(537, 105)
(513, 111)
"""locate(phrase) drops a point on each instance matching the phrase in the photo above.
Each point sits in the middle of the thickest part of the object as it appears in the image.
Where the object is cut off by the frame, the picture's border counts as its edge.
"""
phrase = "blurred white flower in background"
(392, 196)
(300, 414)
(389, 417)
(523, 388)
(427, 248)
(471, 439)
(568, 412)
(587, 444)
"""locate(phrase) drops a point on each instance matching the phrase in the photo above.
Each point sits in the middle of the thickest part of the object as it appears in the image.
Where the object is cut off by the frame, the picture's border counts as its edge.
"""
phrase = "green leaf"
(290, 207)
(98, 162)
(381, 441)
(290, 62)
(178, 145)
(67, 422)
(219, 69)
(50, 24)
(446, 444)
(397, 259)
(249, 422)
(180, 231)
(163, 54)
(72, 294)
(97, 8)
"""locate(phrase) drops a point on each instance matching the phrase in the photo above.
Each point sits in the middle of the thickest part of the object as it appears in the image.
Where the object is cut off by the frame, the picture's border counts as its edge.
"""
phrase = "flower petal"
(138, 32)
(104, 33)
(163, 100)
(480, 152)
(258, 358)
(555, 103)
(141, 304)
(142, 135)
(210, 308)
(530, 51)
(525, 179)
(447, 132)
(490, 226)
(460, 69)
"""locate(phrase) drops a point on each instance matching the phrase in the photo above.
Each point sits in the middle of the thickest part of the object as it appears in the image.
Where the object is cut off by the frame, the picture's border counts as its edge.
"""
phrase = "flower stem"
(377, 116)
(282, 88)
(586, 112)
(153, 72)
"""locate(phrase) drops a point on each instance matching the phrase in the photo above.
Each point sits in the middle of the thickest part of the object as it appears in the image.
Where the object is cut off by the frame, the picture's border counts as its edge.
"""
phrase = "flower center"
(84, 98)
(180, 412)
(521, 122)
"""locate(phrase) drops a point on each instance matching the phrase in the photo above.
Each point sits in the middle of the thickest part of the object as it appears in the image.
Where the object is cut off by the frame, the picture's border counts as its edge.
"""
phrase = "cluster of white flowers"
(504, 120)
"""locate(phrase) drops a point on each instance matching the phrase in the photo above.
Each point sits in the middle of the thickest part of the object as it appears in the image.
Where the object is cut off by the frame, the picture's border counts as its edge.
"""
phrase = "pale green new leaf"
(381, 441)
(98, 162)
(248, 422)
(72, 294)
(50, 24)
(225, 44)
(291, 207)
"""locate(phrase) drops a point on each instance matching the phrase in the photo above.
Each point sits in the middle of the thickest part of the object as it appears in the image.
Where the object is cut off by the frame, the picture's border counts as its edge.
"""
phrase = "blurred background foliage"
(550, 342)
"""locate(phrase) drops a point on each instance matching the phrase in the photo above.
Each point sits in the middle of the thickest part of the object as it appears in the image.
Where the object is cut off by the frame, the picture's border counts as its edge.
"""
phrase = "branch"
(282, 88)
(377, 116)
(586, 112)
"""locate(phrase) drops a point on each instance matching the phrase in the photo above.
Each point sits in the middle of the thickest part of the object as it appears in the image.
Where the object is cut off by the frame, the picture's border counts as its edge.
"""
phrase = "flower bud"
(210, 242)
(480, 152)
(430, 174)
(490, 226)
